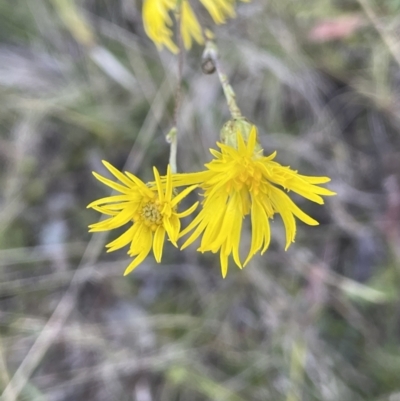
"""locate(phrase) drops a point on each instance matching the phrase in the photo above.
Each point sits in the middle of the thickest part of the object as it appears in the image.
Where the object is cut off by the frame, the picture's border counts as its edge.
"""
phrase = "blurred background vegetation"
(81, 82)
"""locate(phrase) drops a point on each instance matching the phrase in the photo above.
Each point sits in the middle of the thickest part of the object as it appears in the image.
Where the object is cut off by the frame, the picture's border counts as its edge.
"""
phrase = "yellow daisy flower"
(151, 211)
(158, 22)
(241, 181)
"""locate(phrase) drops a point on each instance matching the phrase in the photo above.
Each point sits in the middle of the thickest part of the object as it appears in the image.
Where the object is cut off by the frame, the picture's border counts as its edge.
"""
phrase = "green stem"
(172, 140)
(210, 54)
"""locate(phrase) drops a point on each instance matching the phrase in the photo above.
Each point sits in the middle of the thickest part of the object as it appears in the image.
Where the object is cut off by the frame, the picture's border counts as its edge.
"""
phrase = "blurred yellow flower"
(158, 22)
(190, 27)
(151, 211)
(241, 181)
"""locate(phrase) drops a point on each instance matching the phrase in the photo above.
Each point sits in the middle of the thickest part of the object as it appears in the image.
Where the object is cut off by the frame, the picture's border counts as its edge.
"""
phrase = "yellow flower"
(190, 27)
(220, 10)
(150, 210)
(241, 181)
(158, 22)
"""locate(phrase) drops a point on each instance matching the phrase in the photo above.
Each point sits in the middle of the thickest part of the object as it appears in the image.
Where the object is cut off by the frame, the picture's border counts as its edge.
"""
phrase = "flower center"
(150, 214)
(249, 176)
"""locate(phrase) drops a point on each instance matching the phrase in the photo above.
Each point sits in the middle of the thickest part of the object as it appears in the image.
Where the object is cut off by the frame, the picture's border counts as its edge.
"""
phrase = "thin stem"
(178, 93)
(172, 140)
(172, 136)
(210, 54)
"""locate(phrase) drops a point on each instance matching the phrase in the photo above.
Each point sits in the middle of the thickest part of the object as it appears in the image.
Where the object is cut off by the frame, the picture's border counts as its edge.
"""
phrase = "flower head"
(158, 22)
(150, 211)
(240, 181)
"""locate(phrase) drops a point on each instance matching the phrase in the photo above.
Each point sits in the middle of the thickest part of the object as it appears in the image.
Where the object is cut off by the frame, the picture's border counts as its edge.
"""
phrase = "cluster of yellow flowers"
(238, 182)
(158, 22)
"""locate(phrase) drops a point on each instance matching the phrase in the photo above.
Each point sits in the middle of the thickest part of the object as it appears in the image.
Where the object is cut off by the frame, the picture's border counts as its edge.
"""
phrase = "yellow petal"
(279, 203)
(105, 210)
(189, 211)
(182, 195)
(261, 232)
(215, 212)
(236, 232)
(114, 222)
(219, 9)
(199, 225)
(223, 258)
(159, 185)
(141, 236)
(111, 184)
(172, 226)
(168, 189)
(190, 27)
(139, 259)
(158, 243)
(109, 199)
(141, 186)
(252, 141)
(185, 179)
(120, 176)
(156, 22)
(122, 240)
(232, 212)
